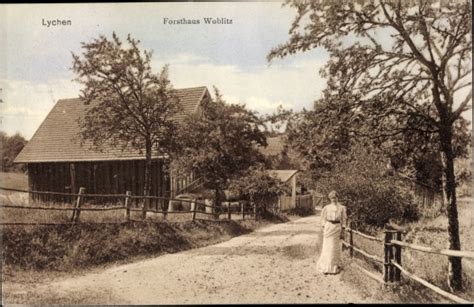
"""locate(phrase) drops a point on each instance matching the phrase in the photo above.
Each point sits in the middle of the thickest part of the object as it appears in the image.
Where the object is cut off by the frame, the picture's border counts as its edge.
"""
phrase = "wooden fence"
(304, 201)
(318, 200)
(301, 201)
(285, 203)
(241, 209)
(392, 261)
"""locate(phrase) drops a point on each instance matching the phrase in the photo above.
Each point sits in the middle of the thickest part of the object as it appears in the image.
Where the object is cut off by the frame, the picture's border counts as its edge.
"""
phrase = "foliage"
(319, 141)
(130, 105)
(10, 148)
(219, 143)
(371, 194)
(463, 170)
(259, 187)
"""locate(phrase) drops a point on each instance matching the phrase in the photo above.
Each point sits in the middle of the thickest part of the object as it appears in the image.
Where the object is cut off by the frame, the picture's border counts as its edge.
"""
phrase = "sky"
(35, 60)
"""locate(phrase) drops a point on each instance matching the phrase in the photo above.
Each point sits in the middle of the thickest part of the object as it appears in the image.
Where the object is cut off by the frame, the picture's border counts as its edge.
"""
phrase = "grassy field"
(14, 181)
(431, 267)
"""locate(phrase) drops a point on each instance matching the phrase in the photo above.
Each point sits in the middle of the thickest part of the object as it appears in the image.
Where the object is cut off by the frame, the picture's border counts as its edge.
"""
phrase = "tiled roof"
(56, 140)
(275, 146)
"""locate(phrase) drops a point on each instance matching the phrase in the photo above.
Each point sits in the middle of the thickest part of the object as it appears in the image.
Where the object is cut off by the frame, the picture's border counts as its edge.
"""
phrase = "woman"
(333, 216)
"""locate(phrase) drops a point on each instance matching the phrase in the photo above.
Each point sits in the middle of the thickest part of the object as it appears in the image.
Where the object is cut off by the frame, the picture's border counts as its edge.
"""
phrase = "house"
(58, 161)
(287, 177)
(282, 155)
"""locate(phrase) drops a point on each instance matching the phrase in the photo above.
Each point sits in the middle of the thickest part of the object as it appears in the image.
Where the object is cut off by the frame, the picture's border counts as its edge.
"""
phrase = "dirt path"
(275, 264)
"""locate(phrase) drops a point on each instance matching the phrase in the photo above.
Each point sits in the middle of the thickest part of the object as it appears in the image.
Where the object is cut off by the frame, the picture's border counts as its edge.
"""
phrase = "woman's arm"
(323, 217)
(343, 221)
(344, 216)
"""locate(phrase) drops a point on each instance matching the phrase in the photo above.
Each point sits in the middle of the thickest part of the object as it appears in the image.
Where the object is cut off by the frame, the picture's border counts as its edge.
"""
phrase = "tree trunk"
(445, 201)
(147, 179)
(455, 265)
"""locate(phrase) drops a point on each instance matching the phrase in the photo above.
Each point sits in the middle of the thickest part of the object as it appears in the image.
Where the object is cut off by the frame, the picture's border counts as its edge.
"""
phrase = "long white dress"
(333, 216)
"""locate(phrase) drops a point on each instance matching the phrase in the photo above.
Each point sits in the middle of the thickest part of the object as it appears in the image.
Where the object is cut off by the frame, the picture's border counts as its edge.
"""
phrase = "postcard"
(236, 152)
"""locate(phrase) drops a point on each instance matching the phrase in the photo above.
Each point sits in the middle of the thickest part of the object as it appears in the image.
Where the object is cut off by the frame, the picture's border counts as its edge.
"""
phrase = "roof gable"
(283, 175)
(57, 138)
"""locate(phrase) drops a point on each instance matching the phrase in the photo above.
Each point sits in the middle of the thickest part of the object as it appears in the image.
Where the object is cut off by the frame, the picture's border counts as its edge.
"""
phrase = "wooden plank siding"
(106, 177)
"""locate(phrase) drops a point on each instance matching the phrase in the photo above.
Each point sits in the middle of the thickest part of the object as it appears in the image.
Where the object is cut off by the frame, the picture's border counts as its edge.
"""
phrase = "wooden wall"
(104, 177)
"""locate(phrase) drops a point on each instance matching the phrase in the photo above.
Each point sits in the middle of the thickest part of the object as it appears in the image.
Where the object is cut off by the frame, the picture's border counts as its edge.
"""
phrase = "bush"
(259, 187)
(372, 196)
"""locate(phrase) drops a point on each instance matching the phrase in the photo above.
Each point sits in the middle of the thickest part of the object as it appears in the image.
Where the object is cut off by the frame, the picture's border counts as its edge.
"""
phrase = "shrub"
(259, 187)
(371, 194)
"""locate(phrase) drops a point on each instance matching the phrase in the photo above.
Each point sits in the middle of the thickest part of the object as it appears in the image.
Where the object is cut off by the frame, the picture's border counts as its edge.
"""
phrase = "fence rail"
(362, 234)
(368, 273)
(243, 209)
(392, 266)
(362, 252)
(445, 252)
(434, 288)
(61, 209)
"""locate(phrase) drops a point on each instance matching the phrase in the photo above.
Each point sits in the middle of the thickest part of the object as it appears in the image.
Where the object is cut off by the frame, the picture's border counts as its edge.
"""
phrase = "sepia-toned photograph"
(244, 152)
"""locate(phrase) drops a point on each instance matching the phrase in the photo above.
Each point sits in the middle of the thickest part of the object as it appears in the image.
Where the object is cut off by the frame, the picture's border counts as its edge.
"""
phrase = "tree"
(10, 148)
(220, 142)
(132, 106)
(321, 143)
(259, 187)
(396, 69)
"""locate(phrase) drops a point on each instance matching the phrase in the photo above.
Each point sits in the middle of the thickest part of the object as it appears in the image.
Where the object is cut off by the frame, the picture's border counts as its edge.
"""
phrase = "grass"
(14, 180)
(431, 267)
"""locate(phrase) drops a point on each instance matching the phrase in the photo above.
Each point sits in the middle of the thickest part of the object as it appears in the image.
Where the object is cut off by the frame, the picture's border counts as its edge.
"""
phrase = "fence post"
(77, 208)
(229, 212)
(242, 210)
(72, 172)
(144, 208)
(387, 255)
(255, 211)
(351, 243)
(194, 209)
(127, 205)
(398, 256)
(165, 208)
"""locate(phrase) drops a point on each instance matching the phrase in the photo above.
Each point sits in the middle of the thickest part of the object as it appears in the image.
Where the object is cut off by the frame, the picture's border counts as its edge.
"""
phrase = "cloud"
(26, 104)
(291, 83)
(261, 103)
